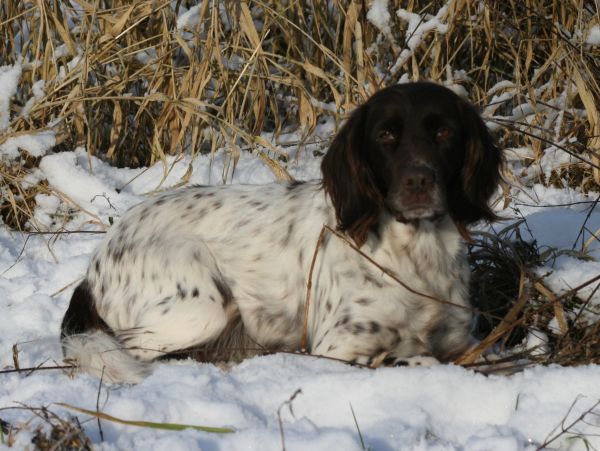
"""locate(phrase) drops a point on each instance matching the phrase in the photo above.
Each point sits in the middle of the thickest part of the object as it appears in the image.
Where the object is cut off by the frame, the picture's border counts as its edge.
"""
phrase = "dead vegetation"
(133, 82)
(515, 307)
(52, 432)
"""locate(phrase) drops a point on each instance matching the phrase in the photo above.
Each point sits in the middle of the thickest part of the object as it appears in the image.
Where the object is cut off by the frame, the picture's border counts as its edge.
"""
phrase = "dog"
(380, 238)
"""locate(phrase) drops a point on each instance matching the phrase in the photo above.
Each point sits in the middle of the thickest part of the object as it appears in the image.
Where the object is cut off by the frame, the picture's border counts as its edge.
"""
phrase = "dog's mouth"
(411, 205)
(417, 211)
(417, 214)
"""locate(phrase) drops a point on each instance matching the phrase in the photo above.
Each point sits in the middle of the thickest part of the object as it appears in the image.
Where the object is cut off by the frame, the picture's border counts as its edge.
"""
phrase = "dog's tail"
(89, 343)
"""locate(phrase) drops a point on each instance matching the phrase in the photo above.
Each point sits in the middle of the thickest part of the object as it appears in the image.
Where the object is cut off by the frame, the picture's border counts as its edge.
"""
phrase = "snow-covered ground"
(444, 407)
(311, 403)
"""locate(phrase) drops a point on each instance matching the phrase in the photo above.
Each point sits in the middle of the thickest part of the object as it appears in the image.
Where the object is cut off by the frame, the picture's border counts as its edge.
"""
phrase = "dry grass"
(52, 432)
(123, 81)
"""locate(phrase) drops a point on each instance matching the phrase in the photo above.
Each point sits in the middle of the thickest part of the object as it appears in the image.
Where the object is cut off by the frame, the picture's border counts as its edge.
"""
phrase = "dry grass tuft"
(18, 203)
(498, 262)
(62, 436)
(52, 434)
(515, 307)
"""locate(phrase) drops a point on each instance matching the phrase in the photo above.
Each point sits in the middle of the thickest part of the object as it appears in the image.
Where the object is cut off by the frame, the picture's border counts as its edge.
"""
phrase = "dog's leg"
(161, 298)
(191, 305)
(371, 344)
(355, 352)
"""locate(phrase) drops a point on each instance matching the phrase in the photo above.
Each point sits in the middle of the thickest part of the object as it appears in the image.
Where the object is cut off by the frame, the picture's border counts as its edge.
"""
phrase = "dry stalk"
(506, 326)
(559, 312)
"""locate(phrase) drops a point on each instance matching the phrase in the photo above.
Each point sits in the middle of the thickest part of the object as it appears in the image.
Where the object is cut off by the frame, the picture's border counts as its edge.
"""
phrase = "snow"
(188, 19)
(437, 408)
(593, 37)
(418, 27)
(35, 144)
(442, 407)
(379, 16)
(9, 79)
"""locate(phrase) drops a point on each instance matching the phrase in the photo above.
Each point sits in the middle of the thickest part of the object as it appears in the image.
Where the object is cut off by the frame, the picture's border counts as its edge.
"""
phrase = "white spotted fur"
(257, 242)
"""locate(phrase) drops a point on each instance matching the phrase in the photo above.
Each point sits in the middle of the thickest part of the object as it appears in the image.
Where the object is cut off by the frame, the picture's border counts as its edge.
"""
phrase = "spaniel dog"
(366, 265)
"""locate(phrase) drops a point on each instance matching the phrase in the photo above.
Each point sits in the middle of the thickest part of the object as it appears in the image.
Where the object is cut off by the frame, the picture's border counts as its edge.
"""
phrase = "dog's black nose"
(418, 180)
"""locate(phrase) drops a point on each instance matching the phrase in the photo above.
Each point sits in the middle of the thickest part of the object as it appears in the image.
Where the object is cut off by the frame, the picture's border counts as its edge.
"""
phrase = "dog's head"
(416, 150)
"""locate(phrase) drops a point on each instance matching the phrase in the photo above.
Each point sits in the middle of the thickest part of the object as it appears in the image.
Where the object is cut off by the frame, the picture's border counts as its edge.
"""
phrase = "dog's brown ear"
(480, 173)
(349, 181)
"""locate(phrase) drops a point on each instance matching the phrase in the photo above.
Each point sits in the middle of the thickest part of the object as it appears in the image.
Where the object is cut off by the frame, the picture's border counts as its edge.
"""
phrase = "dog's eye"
(443, 134)
(387, 137)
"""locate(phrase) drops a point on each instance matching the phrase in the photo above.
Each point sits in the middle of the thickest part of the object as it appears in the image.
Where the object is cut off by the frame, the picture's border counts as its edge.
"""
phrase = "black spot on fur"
(195, 292)
(389, 361)
(181, 292)
(294, 184)
(242, 223)
(364, 301)
(438, 344)
(224, 290)
(343, 321)
(288, 236)
(374, 327)
(356, 328)
(163, 301)
(257, 257)
(372, 280)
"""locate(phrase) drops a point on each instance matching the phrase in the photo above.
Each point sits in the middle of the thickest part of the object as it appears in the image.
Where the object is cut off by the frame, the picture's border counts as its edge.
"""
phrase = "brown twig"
(37, 368)
(304, 340)
(559, 313)
(565, 429)
(280, 421)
